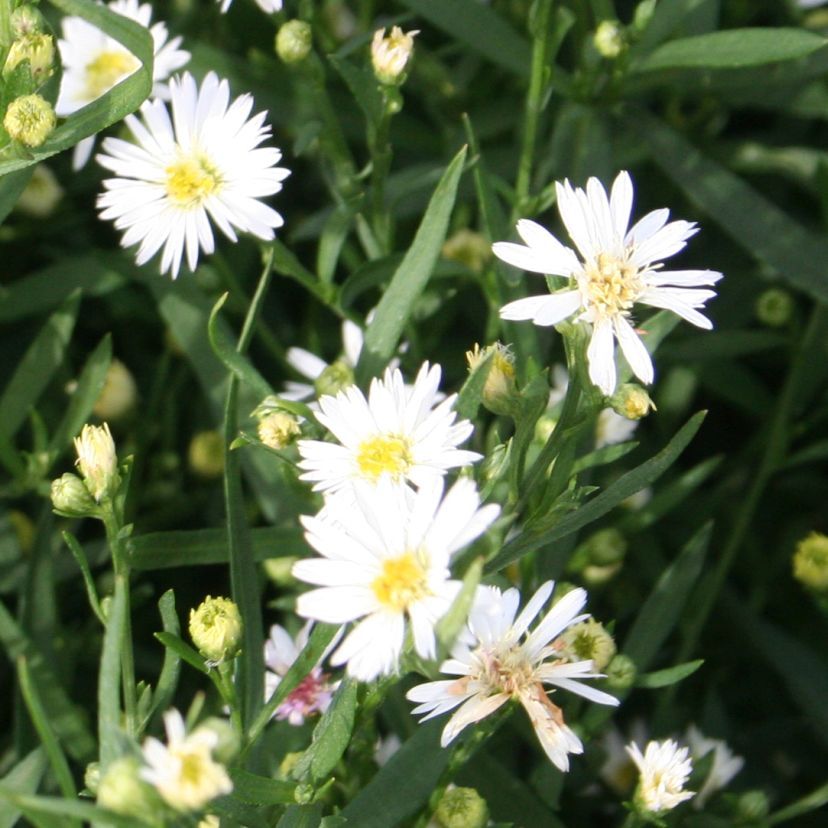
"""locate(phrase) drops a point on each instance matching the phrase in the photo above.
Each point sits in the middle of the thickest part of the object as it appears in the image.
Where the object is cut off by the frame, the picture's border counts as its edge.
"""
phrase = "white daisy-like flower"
(664, 769)
(385, 560)
(397, 433)
(183, 771)
(726, 764)
(93, 63)
(313, 694)
(202, 160)
(267, 6)
(618, 267)
(501, 660)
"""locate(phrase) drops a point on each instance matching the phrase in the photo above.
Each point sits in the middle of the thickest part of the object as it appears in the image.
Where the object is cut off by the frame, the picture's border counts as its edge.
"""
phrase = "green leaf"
(23, 778)
(171, 668)
(109, 678)
(88, 581)
(408, 282)
(449, 626)
(618, 491)
(182, 650)
(331, 735)
(11, 186)
(662, 609)
(301, 816)
(111, 107)
(35, 806)
(35, 369)
(261, 790)
(732, 49)
(471, 394)
(363, 85)
(480, 28)
(668, 676)
(754, 222)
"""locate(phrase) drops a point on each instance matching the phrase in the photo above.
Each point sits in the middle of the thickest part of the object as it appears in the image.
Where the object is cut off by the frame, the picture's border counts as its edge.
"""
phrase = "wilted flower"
(724, 767)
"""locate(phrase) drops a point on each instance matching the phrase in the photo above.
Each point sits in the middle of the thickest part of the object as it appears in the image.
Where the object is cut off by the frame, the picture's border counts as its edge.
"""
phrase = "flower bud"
(621, 672)
(122, 790)
(390, 55)
(774, 307)
(631, 401)
(462, 808)
(42, 193)
(294, 41)
(810, 562)
(609, 39)
(38, 49)
(753, 806)
(216, 629)
(210, 821)
(279, 570)
(118, 394)
(335, 378)
(70, 497)
(588, 640)
(468, 248)
(97, 461)
(304, 793)
(30, 120)
(604, 547)
(92, 777)
(228, 742)
(500, 393)
(26, 20)
(206, 454)
(278, 429)
(544, 427)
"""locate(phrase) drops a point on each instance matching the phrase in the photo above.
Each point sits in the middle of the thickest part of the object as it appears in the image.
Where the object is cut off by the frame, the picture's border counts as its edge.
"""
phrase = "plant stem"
(815, 799)
(5, 25)
(380, 165)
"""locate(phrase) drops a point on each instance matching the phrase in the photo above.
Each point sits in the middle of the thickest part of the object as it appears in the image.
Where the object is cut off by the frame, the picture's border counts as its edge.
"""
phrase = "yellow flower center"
(190, 181)
(384, 454)
(612, 285)
(403, 581)
(507, 670)
(194, 768)
(106, 70)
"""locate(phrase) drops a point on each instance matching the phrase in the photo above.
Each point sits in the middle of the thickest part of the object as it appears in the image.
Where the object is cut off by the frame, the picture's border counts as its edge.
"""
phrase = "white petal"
(601, 357)
(633, 348)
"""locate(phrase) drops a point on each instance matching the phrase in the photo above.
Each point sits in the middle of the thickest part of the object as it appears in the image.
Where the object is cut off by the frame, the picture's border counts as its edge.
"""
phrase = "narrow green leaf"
(449, 626)
(471, 394)
(754, 222)
(618, 491)
(11, 186)
(480, 28)
(109, 678)
(363, 85)
(261, 790)
(383, 334)
(662, 609)
(34, 806)
(23, 778)
(182, 650)
(301, 816)
(36, 368)
(89, 582)
(171, 668)
(668, 676)
(732, 49)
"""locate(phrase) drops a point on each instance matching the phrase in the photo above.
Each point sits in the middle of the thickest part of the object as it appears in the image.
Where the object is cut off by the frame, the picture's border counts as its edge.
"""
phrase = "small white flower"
(397, 433)
(502, 660)
(724, 767)
(385, 560)
(203, 161)
(93, 63)
(313, 694)
(390, 55)
(267, 6)
(617, 268)
(183, 771)
(663, 771)
(97, 460)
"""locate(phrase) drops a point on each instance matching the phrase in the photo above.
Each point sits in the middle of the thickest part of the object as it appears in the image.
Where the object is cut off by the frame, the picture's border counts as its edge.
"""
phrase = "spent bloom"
(390, 55)
(726, 764)
(663, 772)
(93, 62)
(613, 269)
(384, 560)
(183, 771)
(500, 659)
(201, 159)
(313, 694)
(97, 461)
(396, 433)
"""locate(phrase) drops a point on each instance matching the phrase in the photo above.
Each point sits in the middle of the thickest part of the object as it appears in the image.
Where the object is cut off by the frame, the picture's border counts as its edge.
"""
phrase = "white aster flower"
(725, 766)
(663, 771)
(97, 460)
(313, 694)
(502, 660)
(93, 63)
(267, 6)
(396, 433)
(183, 771)
(205, 160)
(385, 560)
(617, 268)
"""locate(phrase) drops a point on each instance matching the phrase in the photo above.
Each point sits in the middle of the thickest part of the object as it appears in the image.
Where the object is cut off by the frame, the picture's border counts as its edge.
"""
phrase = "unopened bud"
(294, 41)
(42, 193)
(774, 307)
(97, 461)
(123, 791)
(609, 39)
(810, 562)
(206, 454)
(304, 793)
(468, 248)
(631, 401)
(333, 379)
(604, 547)
(279, 570)
(753, 806)
(118, 395)
(278, 429)
(621, 672)
(500, 393)
(390, 55)
(92, 777)
(71, 498)
(228, 742)
(38, 49)
(462, 808)
(216, 629)
(30, 120)
(26, 20)
(588, 640)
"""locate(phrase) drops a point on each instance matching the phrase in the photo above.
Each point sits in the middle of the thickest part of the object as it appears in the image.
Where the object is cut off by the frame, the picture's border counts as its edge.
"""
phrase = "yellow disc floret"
(106, 70)
(612, 285)
(403, 581)
(190, 181)
(384, 454)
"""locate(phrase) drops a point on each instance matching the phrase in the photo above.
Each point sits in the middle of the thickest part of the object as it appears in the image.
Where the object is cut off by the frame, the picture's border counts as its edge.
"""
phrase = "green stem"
(534, 105)
(774, 453)
(5, 24)
(815, 799)
(381, 155)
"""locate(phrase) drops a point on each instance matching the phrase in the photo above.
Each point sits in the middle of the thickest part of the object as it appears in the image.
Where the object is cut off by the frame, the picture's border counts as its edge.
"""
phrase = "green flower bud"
(774, 307)
(71, 498)
(42, 193)
(216, 629)
(279, 570)
(206, 454)
(228, 744)
(38, 49)
(630, 400)
(500, 392)
(462, 808)
(278, 429)
(390, 55)
(605, 547)
(92, 777)
(810, 562)
(30, 120)
(621, 672)
(589, 640)
(304, 793)
(123, 791)
(468, 248)
(333, 379)
(118, 395)
(294, 41)
(753, 806)
(609, 39)
(26, 20)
